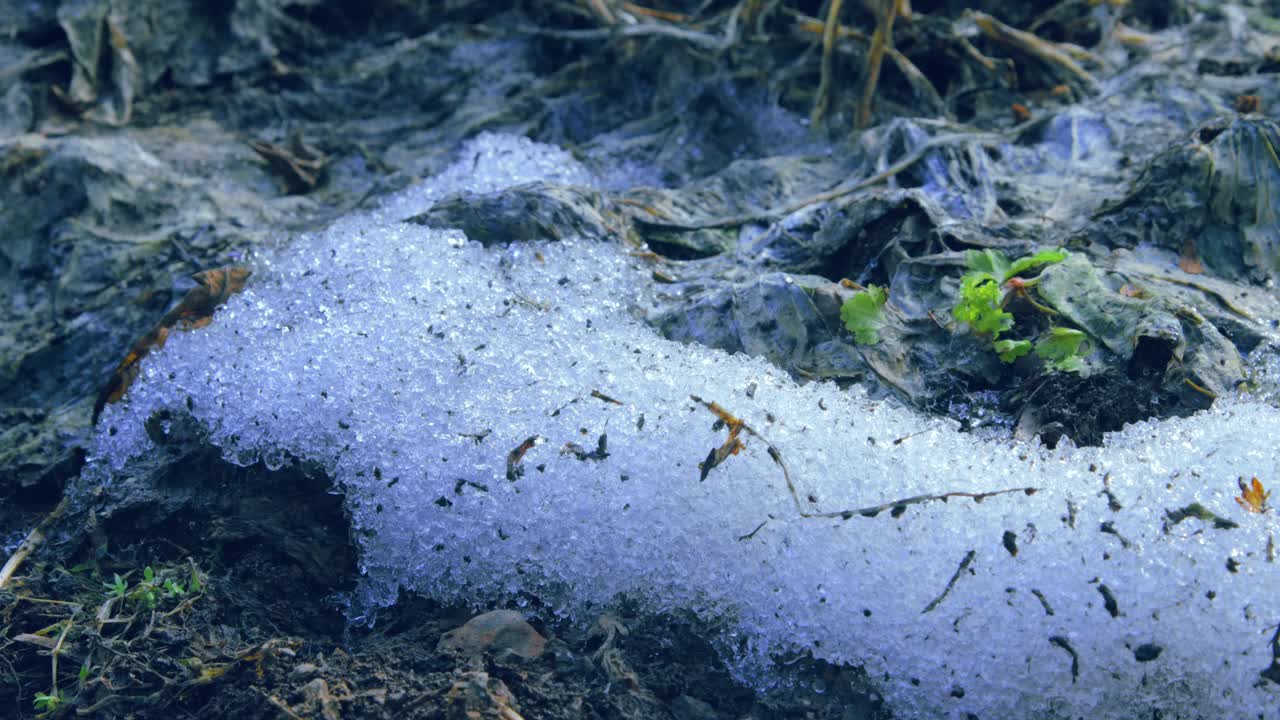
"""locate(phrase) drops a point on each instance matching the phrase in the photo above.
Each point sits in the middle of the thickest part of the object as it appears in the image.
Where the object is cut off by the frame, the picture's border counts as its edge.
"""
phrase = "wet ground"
(126, 166)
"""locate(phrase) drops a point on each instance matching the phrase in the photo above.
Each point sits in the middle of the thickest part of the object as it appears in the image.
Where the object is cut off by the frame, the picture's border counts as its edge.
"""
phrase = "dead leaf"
(514, 469)
(732, 444)
(299, 166)
(194, 311)
(1189, 261)
(1246, 104)
(1253, 497)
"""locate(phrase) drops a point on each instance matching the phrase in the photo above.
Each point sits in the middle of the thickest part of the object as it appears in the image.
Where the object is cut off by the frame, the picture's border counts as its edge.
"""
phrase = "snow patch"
(414, 366)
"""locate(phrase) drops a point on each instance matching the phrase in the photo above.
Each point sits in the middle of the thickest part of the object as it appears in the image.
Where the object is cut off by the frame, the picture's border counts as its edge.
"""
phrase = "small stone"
(496, 632)
(1147, 652)
(302, 670)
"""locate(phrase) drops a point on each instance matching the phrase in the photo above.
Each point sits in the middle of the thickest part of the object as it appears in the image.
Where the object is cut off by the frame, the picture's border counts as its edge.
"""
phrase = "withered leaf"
(514, 458)
(1189, 261)
(1253, 497)
(195, 310)
(732, 444)
(299, 166)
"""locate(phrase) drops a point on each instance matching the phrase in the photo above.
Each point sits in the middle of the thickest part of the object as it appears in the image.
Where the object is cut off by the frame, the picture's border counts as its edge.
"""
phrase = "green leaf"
(1062, 349)
(47, 702)
(148, 574)
(992, 262)
(1044, 257)
(116, 588)
(997, 264)
(863, 314)
(979, 305)
(1011, 350)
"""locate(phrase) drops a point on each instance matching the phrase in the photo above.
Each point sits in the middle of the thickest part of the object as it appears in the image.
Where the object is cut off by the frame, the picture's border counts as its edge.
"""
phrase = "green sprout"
(985, 290)
(863, 314)
(1010, 350)
(47, 702)
(117, 588)
(981, 305)
(1063, 349)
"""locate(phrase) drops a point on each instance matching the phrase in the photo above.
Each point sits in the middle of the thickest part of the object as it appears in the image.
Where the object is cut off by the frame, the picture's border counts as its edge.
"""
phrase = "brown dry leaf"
(514, 469)
(731, 446)
(194, 311)
(1253, 497)
(1246, 104)
(299, 166)
(1189, 261)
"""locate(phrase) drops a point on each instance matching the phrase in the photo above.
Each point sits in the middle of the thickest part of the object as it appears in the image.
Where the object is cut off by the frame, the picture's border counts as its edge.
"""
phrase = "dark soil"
(263, 635)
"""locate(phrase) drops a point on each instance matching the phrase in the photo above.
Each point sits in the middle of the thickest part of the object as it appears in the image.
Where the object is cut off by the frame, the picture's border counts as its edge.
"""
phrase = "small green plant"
(117, 588)
(173, 589)
(985, 290)
(47, 702)
(981, 305)
(155, 587)
(863, 314)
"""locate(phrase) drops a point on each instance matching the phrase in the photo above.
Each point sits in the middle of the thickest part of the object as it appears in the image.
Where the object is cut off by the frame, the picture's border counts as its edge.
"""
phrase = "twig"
(825, 89)
(602, 12)
(920, 83)
(651, 12)
(897, 507)
(58, 648)
(1065, 644)
(751, 11)
(1034, 46)
(282, 707)
(737, 426)
(964, 565)
(601, 396)
(748, 536)
(648, 28)
(845, 188)
(882, 39)
(29, 545)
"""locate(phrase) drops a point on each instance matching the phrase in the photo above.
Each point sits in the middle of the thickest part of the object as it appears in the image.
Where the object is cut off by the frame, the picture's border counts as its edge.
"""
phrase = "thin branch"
(28, 546)
(57, 648)
(920, 83)
(845, 188)
(1033, 45)
(737, 426)
(964, 565)
(882, 39)
(602, 12)
(825, 84)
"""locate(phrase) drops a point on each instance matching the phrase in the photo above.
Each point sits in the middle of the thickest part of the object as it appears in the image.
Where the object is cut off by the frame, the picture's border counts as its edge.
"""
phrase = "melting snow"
(412, 364)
